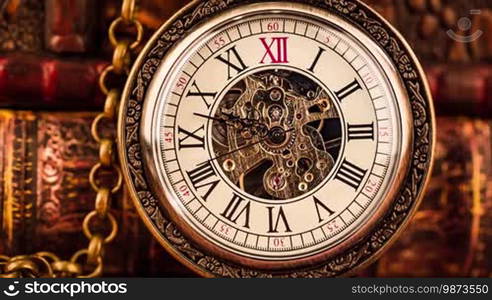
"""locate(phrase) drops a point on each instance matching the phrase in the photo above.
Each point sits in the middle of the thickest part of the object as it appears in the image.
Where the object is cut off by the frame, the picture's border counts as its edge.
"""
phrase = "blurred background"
(52, 52)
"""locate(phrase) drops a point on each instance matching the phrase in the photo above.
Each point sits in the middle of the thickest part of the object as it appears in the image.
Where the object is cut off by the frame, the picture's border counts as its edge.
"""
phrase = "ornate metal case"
(139, 139)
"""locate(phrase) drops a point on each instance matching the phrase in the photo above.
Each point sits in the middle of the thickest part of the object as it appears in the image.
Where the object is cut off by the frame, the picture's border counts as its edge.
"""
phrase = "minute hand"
(243, 147)
(231, 121)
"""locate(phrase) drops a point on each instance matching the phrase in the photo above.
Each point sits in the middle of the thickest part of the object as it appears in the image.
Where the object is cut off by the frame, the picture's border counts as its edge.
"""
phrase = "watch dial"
(276, 135)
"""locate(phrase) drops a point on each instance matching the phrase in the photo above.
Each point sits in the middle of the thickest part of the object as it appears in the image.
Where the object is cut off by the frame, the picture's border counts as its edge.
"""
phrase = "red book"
(461, 89)
(69, 25)
(32, 82)
(37, 82)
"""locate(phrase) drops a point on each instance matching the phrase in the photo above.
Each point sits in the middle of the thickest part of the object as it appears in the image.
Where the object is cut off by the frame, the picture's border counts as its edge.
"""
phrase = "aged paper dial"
(276, 135)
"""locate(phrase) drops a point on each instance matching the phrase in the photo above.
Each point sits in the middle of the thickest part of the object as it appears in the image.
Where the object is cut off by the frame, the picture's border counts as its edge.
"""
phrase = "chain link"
(88, 262)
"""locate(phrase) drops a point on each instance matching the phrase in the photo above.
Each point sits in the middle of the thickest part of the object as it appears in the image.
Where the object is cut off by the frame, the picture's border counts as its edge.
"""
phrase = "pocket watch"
(276, 138)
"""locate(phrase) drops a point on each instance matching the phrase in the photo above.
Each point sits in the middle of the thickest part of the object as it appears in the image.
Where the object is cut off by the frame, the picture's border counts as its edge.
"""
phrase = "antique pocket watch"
(276, 138)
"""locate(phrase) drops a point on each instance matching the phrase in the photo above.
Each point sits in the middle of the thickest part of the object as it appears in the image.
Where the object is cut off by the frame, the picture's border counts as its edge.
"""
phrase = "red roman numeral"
(276, 50)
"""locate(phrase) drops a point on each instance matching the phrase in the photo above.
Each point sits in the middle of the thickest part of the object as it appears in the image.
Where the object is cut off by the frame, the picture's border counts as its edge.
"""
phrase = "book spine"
(45, 160)
(32, 82)
(451, 233)
(70, 25)
(459, 90)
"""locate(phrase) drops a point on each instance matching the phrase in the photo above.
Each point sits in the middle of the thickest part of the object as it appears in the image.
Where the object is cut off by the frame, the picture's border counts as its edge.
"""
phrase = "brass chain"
(88, 262)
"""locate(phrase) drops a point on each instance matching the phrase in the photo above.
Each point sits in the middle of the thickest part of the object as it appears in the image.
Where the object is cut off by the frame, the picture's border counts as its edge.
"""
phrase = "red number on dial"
(278, 242)
(182, 81)
(184, 190)
(273, 26)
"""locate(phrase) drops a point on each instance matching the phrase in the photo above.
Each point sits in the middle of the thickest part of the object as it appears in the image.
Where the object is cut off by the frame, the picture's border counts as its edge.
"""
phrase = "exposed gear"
(298, 152)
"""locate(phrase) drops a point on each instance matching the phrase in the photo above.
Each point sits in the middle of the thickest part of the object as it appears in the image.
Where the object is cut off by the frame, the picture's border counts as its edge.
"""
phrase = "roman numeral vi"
(280, 218)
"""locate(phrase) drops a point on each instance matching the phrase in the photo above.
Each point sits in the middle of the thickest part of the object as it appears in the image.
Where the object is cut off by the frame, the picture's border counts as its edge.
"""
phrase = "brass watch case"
(365, 246)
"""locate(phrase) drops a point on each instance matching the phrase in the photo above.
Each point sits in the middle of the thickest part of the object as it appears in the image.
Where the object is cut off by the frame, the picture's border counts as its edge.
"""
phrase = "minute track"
(311, 232)
(307, 28)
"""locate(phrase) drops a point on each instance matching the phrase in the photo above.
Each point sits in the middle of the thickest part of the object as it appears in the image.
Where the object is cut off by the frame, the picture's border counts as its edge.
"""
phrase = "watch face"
(273, 137)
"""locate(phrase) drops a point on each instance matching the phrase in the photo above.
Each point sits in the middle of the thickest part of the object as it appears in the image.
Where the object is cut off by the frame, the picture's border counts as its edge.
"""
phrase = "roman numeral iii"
(350, 174)
(361, 132)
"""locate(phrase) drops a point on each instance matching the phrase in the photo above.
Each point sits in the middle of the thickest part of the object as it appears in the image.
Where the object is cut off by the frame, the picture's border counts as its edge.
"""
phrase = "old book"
(70, 25)
(428, 25)
(461, 90)
(42, 82)
(45, 161)
(459, 73)
(451, 234)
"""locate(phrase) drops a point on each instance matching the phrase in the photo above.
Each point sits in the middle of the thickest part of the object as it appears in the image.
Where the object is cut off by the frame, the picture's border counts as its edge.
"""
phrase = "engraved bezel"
(205, 258)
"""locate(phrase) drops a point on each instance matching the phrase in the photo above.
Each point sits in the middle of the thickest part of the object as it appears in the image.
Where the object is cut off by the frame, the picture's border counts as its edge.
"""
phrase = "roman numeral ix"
(191, 139)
